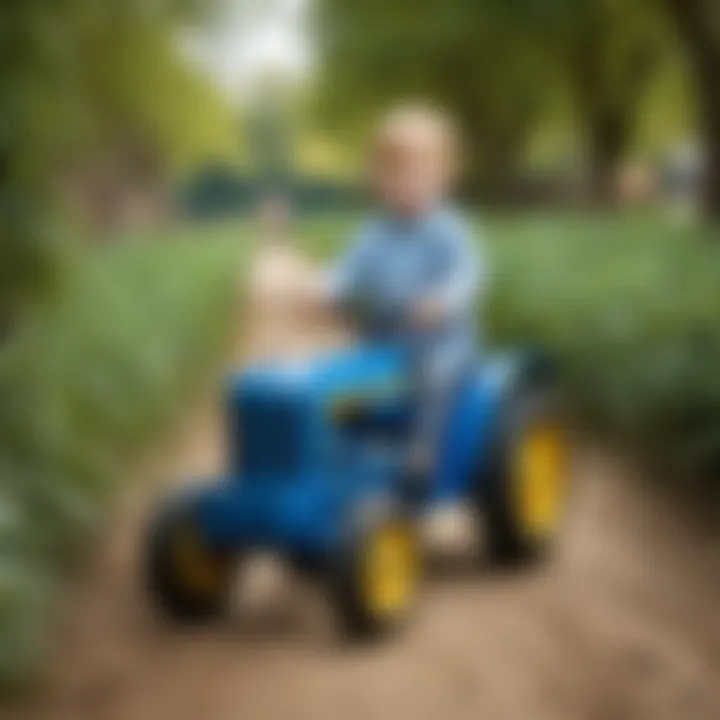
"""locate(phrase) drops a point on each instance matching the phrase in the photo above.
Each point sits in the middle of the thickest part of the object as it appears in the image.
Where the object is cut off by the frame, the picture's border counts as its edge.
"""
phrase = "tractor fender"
(476, 421)
(506, 376)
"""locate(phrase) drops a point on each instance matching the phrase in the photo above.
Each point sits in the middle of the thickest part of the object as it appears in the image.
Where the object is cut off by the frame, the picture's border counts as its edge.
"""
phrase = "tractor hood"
(281, 412)
(341, 372)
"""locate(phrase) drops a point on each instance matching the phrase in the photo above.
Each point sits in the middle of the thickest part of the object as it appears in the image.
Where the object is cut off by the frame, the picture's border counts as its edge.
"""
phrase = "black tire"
(532, 402)
(307, 567)
(185, 596)
(360, 619)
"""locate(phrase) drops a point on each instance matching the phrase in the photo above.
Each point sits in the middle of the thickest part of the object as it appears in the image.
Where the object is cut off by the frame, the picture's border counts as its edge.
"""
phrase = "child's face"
(411, 167)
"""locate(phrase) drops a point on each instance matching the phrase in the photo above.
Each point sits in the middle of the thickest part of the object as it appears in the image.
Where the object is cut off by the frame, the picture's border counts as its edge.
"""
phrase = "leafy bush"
(84, 386)
(630, 309)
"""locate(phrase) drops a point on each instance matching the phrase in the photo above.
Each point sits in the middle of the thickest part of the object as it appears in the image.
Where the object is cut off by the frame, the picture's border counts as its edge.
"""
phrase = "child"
(412, 273)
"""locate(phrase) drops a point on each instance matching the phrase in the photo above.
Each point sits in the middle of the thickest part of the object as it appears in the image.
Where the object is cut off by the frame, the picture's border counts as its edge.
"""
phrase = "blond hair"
(422, 121)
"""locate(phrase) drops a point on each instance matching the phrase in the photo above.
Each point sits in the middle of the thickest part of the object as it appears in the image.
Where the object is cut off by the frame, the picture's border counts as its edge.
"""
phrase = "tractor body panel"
(303, 515)
(470, 427)
(284, 418)
(309, 441)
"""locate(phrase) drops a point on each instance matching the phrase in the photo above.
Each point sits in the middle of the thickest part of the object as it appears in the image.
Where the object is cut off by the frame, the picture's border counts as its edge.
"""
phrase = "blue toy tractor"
(314, 474)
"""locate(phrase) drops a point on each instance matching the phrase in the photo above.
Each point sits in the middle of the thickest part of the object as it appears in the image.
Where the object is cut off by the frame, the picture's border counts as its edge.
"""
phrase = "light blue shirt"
(394, 263)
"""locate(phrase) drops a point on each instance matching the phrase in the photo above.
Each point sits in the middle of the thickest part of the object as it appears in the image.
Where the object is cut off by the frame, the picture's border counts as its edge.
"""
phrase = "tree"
(80, 80)
(499, 65)
(482, 60)
(609, 51)
(698, 23)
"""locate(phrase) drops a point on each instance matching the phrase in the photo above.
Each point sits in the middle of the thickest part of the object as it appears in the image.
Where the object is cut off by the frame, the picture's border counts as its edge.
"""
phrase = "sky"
(250, 39)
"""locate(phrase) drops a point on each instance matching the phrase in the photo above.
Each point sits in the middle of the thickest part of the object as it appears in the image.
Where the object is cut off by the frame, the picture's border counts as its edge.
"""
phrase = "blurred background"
(137, 137)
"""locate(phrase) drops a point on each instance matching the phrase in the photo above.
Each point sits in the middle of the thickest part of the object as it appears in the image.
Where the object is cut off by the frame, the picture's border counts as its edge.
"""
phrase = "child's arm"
(342, 277)
(339, 283)
(461, 283)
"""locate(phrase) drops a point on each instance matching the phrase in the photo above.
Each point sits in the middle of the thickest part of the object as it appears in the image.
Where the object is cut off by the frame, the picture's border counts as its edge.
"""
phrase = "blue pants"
(438, 372)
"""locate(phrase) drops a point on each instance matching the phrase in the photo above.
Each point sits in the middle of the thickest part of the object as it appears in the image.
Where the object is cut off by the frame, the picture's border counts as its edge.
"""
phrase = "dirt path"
(625, 623)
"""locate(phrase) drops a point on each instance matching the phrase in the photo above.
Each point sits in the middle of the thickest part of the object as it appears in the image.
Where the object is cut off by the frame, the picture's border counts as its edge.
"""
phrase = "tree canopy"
(504, 68)
(81, 78)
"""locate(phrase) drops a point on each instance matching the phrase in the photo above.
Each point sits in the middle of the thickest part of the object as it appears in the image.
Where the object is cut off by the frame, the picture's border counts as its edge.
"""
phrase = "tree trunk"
(608, 138)
(699, 25)
(605, 118)
(711, 130)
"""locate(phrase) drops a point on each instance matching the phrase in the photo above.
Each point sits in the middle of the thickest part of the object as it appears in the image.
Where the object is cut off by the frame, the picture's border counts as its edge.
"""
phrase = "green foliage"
(609, 51)
(136, 92)
(505, 68)
(484, 60)
(670, 112)
(627, 306)
(698, 27)
(89, 382)
(30, 87)
(87, 83)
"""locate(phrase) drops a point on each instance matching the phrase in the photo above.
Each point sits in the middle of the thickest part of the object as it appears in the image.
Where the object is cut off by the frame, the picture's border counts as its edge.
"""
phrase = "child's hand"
(428, 313)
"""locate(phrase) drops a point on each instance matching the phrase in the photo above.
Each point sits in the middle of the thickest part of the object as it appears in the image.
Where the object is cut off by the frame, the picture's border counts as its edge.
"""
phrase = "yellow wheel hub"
(197, 569)
(540, 482)
(390, 569)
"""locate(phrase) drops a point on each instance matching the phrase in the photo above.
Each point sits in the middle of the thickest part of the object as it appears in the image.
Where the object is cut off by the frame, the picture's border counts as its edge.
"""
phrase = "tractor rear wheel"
(524, 491)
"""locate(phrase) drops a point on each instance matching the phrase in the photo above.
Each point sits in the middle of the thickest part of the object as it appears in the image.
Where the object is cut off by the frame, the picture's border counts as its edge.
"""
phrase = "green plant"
(88, 382)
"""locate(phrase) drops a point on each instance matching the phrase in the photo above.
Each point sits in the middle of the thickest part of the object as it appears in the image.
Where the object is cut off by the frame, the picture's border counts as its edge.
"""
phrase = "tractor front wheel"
(186, 579)
(376, 575)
